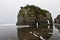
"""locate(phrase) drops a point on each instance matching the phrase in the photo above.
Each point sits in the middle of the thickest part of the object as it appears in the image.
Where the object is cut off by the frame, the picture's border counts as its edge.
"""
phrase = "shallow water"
(13, 32)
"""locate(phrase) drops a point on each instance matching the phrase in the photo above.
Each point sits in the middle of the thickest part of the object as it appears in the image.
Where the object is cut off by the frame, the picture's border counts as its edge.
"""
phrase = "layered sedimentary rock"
(30, 15)
(57, 19)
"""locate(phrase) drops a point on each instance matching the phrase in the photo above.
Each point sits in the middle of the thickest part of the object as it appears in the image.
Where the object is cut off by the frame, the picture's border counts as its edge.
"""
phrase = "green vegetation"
(32, 11)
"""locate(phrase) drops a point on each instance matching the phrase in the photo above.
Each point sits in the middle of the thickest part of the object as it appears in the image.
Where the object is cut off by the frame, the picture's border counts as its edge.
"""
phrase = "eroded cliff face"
(57, 19)
(30, 15)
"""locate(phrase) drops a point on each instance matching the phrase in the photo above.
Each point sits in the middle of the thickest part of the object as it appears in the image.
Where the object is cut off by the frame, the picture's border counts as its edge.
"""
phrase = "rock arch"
(30, 15)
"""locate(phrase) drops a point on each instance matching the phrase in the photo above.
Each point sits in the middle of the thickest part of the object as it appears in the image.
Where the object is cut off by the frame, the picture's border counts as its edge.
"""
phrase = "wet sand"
(13, 32)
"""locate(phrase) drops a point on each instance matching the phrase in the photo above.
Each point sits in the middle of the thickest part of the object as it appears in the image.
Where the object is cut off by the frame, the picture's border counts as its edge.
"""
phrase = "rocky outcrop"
(57, 19)
(30, 15)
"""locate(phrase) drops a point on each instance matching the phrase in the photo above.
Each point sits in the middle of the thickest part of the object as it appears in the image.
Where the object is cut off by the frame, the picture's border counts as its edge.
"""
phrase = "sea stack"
(30, 15)
(57, 19)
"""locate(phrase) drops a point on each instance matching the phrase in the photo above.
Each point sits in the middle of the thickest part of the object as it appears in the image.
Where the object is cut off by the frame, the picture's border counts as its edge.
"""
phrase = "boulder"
(30, 15)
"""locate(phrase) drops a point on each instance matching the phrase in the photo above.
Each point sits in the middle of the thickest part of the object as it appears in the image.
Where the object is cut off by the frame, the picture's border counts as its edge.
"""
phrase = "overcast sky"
(9, 8)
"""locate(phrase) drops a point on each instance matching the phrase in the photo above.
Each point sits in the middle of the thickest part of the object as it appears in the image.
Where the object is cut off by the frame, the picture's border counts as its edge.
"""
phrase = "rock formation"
(30, 15)
(57, 19)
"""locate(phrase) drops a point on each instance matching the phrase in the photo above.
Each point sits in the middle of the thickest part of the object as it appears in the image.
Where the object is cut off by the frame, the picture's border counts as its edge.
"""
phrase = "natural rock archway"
(30, 15)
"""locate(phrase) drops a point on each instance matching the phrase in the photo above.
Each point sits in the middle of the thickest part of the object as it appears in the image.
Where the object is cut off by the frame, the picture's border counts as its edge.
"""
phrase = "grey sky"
(9, 8)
